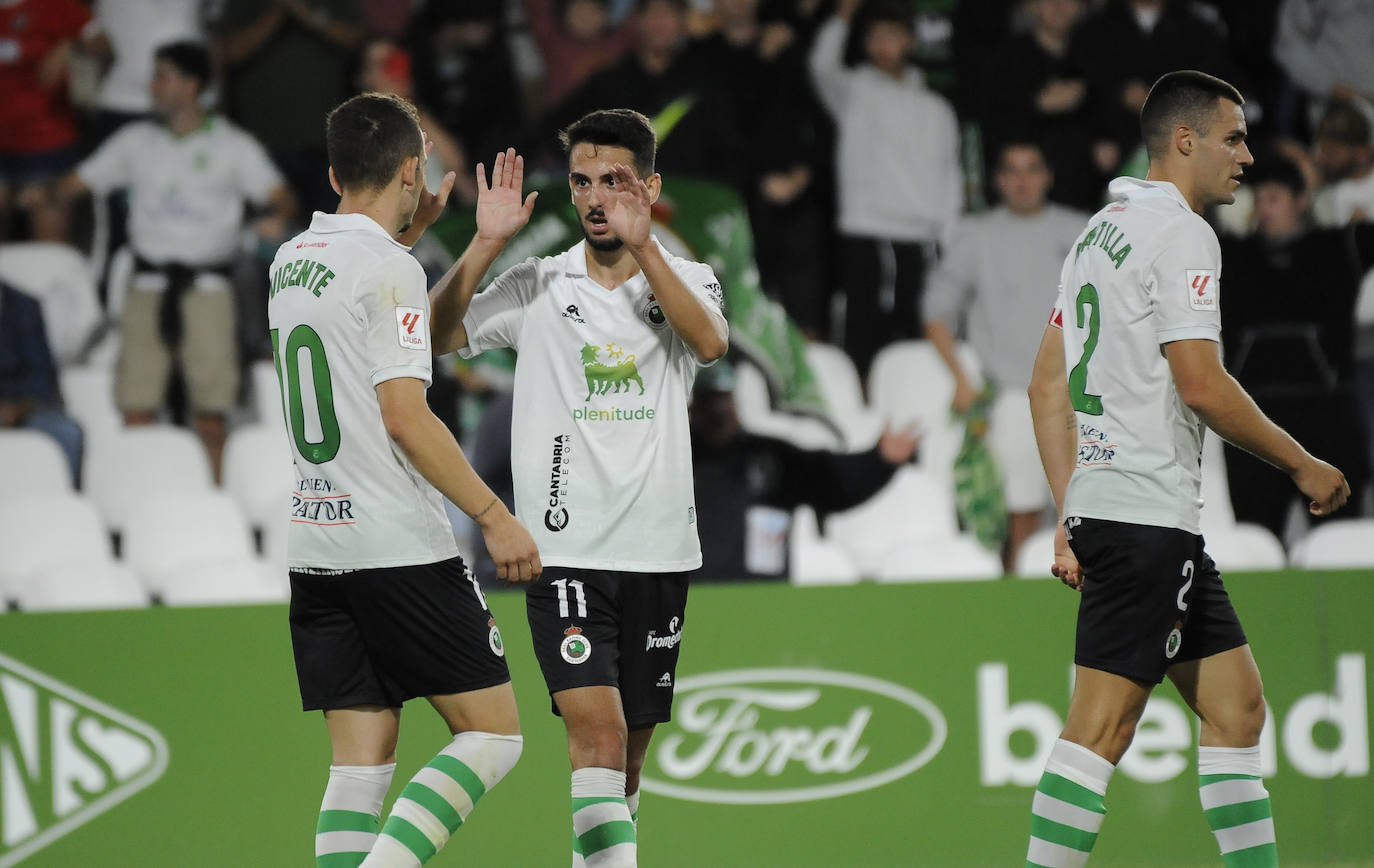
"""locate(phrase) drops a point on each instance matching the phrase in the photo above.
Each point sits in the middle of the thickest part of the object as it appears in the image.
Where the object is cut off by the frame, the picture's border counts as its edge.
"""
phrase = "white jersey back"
(349, 310)
(601, 454)
(1144, 273)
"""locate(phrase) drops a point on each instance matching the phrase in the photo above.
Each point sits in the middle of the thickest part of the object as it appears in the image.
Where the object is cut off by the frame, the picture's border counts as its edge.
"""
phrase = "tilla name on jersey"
(308, 273)
(1108, 236)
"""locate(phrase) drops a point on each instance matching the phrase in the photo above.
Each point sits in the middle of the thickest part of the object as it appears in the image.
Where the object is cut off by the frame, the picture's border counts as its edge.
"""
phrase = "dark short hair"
(1343, 122)
(898, 12)
(1030, 144)
(191, 59)
(1275, 168)
(369, 137)
(1184, 96)
(618, 128)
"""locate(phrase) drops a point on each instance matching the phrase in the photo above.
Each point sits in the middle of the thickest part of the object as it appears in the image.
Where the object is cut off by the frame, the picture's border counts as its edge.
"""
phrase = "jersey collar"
(1137, 189)
(323, 223)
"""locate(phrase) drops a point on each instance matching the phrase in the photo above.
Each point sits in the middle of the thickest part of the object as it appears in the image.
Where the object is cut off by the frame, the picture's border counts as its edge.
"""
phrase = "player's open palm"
(512, 549)
(1324, 485)
(501, 212)
(628, 205)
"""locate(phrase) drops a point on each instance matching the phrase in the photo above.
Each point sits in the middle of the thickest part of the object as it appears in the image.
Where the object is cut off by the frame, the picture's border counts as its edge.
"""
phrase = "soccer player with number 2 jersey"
(1127, 378)
(382, 607)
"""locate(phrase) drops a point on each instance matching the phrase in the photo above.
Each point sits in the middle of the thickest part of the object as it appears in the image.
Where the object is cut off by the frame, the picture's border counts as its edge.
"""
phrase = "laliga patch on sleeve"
(1203, 290)
(411, 328)
(1057, 317)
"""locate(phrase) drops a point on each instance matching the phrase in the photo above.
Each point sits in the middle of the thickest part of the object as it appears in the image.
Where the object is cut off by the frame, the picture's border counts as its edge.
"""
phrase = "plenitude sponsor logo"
(65, 758)
(774, 736)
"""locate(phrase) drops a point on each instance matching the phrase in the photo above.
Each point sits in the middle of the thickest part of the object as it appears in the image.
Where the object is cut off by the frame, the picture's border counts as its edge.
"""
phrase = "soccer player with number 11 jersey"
(1127, 378)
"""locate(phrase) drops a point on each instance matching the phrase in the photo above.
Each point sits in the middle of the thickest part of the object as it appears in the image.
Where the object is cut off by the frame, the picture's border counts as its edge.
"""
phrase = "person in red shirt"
(37, 127)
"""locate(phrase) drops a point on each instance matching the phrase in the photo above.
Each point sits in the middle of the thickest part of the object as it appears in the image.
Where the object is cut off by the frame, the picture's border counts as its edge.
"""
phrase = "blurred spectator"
(787, 140)
(288, 64)
(996, 279)
(1124, 46)
(465, 74)
(1032, 90)
(1344, 150)
(385, 68)
(748, 485)
(899, 178)
(37, 127)
(575, 38)
(1294, 353)
(129, 32)
(189, 176)
(669, 78)
(389, 19)
(1325, 47)
(29, 397)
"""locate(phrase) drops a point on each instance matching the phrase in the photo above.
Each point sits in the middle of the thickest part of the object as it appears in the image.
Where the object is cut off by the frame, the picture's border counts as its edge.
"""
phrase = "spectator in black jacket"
(28, 378)
(747, 485)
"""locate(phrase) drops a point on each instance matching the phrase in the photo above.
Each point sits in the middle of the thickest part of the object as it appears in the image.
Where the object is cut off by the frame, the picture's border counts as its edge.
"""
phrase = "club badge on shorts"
(576, 648)
(1174, 642)
(494, 639)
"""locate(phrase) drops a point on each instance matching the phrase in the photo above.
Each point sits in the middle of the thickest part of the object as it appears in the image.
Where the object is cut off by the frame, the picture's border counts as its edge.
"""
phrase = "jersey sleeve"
(496, 316)
(1184, 284)
(257, 175)
(701, 281)
(1057, 312)
(395, 309)
(108, 168)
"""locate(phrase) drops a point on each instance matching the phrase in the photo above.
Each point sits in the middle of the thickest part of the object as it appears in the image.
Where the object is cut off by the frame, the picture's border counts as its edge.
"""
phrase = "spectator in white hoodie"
(900, 187)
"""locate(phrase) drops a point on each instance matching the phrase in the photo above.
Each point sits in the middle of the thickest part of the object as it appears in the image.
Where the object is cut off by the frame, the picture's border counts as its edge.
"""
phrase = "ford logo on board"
(770, 736)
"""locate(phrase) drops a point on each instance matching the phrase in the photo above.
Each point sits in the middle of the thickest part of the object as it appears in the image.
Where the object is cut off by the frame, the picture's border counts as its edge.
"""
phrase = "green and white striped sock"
(632, 805)
(350, 814)
(1067, 812)
(441, 796)
(1237, 806)
(602, 829)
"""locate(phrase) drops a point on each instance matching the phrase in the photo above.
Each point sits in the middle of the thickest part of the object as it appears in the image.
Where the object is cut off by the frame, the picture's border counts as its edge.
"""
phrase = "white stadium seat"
(954, 558)
(74, 584)
(840, 386)
(142, 464)
(913, 506)
(812, 560)
(1036, 556)
(267, 403)
(258, 473)
(88, 393)
(31, 463)
(1245, 546)
(243, 580)
(909, 383)
(60, 278)
(35, 531)
(757, 416)
(1340, 544)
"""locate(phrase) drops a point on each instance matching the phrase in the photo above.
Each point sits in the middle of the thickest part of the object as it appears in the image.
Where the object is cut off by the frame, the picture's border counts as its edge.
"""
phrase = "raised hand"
(500, 211)
(627, 207)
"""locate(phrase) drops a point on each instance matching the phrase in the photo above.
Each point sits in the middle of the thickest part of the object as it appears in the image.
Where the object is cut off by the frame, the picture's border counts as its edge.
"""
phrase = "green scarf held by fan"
(977, 480)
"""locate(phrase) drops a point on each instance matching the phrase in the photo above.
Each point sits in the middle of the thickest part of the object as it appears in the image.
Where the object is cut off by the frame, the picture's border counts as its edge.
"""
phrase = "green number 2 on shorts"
(1084, 401)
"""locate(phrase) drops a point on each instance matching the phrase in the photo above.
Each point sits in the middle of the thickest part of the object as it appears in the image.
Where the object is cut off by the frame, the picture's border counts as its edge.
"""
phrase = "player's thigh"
(1011, 438)
(653, 621)
(363, 735)
(209, 354)
(489, 709)
(574, 618)
(1104, 710)
(1135, 600)
(595, 721)
(1226, 692)
(144, 363)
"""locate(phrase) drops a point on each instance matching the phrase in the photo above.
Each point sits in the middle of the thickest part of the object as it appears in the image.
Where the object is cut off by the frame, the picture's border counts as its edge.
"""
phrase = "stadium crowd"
(912, 170)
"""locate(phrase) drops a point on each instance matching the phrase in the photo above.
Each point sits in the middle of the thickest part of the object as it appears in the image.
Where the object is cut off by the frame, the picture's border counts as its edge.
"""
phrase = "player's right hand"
(500, 211)
(512, 549)
(1324, 484)
(1066, 568)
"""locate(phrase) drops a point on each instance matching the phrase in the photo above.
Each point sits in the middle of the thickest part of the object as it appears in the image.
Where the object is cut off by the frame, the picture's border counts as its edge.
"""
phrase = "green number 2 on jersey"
(303, 336)
(1084, 401)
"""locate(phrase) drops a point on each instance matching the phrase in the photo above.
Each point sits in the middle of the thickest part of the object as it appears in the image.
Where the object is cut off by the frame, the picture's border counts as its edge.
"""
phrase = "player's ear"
(655, 184)
(410, 172)
(334, 181)
(1184, 139)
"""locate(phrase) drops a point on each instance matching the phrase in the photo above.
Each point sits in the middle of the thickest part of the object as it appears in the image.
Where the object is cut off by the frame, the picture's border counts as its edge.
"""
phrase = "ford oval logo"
(771, 736)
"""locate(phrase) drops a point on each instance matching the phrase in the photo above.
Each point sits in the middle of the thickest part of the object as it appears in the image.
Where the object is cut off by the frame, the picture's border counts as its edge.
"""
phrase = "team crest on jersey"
(652, 313)
(1203, 291)
(411, 328)
(576, 648)
(494, 639)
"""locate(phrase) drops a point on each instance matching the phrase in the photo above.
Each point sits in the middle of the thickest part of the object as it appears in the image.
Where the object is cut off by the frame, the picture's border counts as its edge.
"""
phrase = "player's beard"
(606, 244)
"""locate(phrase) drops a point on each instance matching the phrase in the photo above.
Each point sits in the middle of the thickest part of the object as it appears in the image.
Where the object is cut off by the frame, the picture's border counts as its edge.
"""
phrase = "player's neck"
(1181, 182)
(186, 121)
(381, 209)
(611, 268)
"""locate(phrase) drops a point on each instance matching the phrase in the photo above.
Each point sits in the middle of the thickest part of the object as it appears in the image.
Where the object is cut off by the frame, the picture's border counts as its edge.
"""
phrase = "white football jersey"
(348, 310)
(601, 454)
(1144, 273)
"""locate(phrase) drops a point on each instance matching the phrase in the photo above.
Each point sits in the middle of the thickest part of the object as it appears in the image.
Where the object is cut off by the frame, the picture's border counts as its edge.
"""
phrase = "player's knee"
(598, 744)
(1240, 723)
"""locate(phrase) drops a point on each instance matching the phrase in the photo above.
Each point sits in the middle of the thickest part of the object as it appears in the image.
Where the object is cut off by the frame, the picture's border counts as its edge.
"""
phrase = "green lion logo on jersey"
(602, 379)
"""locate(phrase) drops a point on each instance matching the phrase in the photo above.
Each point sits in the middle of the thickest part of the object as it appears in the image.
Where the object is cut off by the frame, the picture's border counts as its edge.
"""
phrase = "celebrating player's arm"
(627, 208)
(1218, 400)
(1056, 437)
(431, 448)
(501, 213)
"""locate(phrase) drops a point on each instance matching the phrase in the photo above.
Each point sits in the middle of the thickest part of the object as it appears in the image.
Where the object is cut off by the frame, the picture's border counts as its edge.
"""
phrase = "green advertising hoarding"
(873, 725)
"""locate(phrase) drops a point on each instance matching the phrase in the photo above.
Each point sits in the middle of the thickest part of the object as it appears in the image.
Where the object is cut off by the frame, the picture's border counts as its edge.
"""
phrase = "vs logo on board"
(65, 758)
